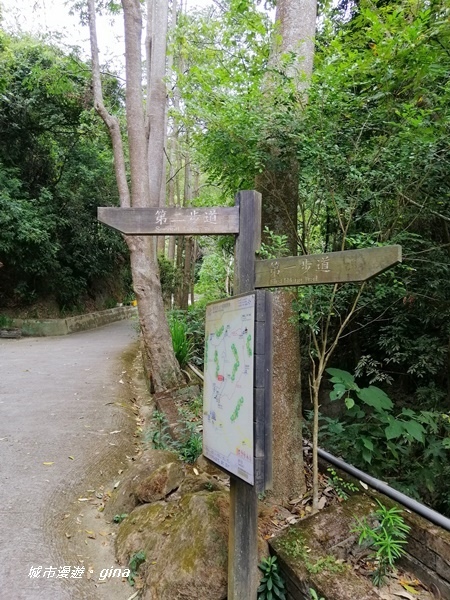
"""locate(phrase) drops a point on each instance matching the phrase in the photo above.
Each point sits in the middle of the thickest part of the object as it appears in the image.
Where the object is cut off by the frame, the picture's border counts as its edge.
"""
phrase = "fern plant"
(271, 584)
(387, 538)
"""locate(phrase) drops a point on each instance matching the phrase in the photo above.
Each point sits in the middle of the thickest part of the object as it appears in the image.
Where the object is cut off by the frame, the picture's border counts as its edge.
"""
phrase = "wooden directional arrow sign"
(172, 221)
(334, 267)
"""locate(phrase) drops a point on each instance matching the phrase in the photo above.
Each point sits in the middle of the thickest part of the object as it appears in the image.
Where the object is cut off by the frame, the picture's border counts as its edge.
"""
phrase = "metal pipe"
(380, 486)
(384, 488)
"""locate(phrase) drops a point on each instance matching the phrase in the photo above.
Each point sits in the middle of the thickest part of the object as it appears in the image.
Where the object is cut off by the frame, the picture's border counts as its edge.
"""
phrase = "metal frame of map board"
(260, 475)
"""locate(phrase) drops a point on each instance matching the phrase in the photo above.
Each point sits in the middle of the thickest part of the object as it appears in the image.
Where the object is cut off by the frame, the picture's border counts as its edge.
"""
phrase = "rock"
(160, 483)
(185, 544)
(205, 465)
(200, 483)
(124, 499)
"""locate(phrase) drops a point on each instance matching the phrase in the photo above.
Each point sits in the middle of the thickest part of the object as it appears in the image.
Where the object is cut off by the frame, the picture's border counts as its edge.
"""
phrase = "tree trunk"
(188, 242)
(288, 473)
(161, 365)
(279, 189)
(171, 199)
(111, 122)
(156, 102)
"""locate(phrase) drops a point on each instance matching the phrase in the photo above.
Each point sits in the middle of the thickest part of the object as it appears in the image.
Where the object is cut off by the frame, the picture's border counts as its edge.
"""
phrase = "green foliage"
(271, 584)
(134, 563)
(314, 595)
(55, 169)
(273, 245)
(215, 269)
(158, 435)
(340, 486)
(224, 54)
(170, 277)
(181, 341)
(193, 320)
(386, 536)
(5, 322)
(189, 442)
(408, 448)
(120, 518)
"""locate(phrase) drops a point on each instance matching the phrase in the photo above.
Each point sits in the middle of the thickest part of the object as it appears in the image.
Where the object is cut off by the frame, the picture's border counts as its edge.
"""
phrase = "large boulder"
(124, 499)
(185, 543)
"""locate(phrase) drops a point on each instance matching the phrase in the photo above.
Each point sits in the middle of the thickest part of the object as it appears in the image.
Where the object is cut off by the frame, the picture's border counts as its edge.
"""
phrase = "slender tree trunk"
(110, 121)
(171, 191)
(188, 242)
(180, 266)
(192, 274)
(156, 106)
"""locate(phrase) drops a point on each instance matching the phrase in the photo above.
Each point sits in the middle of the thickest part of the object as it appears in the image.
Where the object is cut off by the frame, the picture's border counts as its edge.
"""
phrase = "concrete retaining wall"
(427, 550)
(49, 327)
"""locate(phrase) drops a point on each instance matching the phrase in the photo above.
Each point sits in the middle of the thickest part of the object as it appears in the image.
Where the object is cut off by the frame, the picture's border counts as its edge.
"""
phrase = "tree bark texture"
(156, 102)
(296, 22)
(288, 473)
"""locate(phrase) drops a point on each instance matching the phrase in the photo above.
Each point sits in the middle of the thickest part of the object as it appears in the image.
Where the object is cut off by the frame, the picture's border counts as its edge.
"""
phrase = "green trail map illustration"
(228, 387)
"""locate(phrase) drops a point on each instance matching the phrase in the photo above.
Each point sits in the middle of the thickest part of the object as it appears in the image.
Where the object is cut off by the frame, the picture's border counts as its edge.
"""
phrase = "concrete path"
(63, 433)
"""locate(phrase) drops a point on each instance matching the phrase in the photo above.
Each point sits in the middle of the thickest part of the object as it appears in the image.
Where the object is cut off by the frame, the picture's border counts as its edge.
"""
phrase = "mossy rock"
(124, 499)
(160, 483)
(185, 544)
(200, 483)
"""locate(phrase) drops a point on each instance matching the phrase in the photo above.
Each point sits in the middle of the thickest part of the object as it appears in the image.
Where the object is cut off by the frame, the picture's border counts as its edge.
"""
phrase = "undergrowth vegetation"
(408, 448)
(186, 441)
(385, 534)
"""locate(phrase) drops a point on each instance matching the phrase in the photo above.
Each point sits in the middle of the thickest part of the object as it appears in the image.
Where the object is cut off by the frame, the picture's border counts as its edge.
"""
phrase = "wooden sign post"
(244, 220)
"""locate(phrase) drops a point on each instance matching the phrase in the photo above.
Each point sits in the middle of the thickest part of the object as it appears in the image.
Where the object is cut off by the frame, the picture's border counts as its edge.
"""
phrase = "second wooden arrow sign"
(333, 267)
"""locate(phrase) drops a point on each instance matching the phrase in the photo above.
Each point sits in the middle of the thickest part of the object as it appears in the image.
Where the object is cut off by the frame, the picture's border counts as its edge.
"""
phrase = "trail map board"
(228, 386)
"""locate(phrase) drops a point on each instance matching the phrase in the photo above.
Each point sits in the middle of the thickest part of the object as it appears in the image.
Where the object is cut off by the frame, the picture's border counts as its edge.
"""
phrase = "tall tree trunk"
(161, 365)
(156, 104)
(279, 188)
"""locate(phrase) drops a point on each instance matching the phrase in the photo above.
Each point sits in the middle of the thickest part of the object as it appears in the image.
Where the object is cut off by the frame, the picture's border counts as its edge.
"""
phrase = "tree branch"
(110, 121)
(433, 212)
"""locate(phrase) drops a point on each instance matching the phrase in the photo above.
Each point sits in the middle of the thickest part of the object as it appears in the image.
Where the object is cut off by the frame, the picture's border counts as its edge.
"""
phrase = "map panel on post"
(228, 390)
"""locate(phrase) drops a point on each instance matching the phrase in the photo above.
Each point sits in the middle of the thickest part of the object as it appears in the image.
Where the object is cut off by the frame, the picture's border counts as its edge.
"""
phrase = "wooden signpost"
(172, 221)
(244, 220)
(333, 267)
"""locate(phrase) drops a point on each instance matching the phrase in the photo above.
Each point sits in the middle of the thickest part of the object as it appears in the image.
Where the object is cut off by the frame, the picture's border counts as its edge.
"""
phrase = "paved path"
(56, 401)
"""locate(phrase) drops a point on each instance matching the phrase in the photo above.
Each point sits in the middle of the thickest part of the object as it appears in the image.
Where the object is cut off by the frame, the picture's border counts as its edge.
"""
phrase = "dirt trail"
(66, 429)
